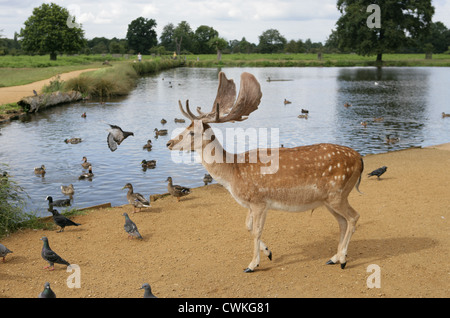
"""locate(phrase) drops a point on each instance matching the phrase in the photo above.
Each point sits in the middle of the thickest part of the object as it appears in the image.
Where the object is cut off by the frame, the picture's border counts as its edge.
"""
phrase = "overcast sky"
(233, 19)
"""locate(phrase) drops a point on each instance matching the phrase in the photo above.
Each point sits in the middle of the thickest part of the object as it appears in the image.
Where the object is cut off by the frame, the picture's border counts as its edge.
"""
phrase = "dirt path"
(199, 247)
(15, 93)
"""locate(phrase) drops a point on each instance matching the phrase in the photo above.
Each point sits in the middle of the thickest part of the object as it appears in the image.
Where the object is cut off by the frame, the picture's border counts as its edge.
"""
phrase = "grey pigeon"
(148, 291)
(50, 256)
(378, 172)
(116, 136)
(62, 221)
(131, 228)
(4, 251)
(62, 202)
(47, 292)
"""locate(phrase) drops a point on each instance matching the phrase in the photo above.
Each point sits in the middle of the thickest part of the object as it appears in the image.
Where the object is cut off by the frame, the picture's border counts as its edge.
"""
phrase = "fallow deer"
(305, 177)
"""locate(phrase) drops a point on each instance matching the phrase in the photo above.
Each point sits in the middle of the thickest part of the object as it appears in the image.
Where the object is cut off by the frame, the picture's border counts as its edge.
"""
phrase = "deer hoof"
(248, 270)
(330, 262)
(343, 265)
(270, 256)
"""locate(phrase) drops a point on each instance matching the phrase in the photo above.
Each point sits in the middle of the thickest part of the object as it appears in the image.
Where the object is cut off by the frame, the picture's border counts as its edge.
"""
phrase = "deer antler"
(225, 109)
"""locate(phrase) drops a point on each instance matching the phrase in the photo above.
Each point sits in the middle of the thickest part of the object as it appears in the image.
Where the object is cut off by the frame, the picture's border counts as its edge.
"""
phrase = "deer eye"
(191, 133)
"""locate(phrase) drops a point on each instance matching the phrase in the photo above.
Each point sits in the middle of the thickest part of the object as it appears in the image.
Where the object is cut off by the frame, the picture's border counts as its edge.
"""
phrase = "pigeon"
(131, 228)
(207, 178)
(50, 256)
(47, 292)
(62, 221)
(62, 202)
(4, 251)
(148, 291)
(35, 93)
(116, 136)
(378, 172)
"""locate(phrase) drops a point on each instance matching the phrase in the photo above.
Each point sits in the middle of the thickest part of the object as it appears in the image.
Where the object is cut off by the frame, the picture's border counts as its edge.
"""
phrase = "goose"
(40, 170)
(137, 200)
(67, 190)
(148, 164)
(86, 175)
(148, 145)
(85, 164)
(176, 190)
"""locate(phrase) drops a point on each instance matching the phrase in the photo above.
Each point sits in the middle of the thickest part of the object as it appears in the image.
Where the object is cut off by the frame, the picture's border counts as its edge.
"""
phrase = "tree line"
(403, 29)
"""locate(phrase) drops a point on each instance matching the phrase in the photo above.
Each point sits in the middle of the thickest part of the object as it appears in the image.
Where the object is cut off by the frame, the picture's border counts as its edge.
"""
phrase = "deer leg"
(255, 224)
(347, 218)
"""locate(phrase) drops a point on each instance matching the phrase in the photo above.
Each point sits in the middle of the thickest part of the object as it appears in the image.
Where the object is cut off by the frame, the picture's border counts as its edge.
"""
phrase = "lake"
(408, 101)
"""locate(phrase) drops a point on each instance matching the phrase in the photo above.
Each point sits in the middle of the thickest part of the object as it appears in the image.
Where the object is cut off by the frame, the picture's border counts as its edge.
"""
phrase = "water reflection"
(409, 101)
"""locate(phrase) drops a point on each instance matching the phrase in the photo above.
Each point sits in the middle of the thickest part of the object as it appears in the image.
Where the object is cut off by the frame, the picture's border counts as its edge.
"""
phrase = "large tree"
(399, 22)
(141, 35)
(51, 30)
(271, 41)
(201, 39)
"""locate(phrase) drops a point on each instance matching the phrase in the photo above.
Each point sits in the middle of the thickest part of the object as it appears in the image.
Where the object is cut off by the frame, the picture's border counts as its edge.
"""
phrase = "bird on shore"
(207, 178)
(85, 164)
(148, 291)
(116, 136)
(86, 175)
(67, 190)
(40, 170)
(131, 228)
(4, 251)
(35, 93)
(137, 200)
(60, 203)
(50, 256)
(176, 190)
(47, 292)
(62, 221)
(148, 145)
(378, 172)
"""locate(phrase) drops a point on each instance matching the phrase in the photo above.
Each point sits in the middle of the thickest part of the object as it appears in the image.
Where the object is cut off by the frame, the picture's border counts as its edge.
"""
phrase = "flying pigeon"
(4, 251)
(116, 136)
(47, 292)
(51, 203)
(62, 221)
(131, 228)
(378, 172)
(50, 256)
(148, 291)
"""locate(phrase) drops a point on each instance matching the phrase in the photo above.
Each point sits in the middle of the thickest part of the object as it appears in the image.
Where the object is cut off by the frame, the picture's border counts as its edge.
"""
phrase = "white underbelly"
(276, 205)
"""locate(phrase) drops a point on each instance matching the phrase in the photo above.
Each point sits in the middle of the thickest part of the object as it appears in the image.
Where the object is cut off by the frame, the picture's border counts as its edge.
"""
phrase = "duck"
(305, 111)
(137, 200)
(176, 190)
(445, 115)
(148, 145)
(392, 140)
(287, 102)
(86, 175)
(148, 164)
(161, 132)
(364, 123)
(305, 116)
(163, 121)
(179, 120)
(378, 119)
(347, 105)
(67, 190)
(40, 170)
(73, 140)
(83, 115)
(85, 164)
(207, 178)
(61, 202)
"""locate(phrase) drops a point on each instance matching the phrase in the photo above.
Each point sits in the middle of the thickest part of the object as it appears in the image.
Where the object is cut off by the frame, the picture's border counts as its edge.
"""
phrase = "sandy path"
(15, 93)
(199, 246)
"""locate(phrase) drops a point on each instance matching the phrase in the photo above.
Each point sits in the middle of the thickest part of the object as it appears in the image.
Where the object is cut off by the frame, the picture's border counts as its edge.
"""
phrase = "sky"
(233, 19)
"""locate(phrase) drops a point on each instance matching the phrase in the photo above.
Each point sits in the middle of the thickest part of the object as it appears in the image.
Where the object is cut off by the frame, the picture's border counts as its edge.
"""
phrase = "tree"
(271, 41)
(183, 35)
(218, 44)
(141, 35)
(49, 30)
(167, 39)
(399, 23)
(201, 39)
